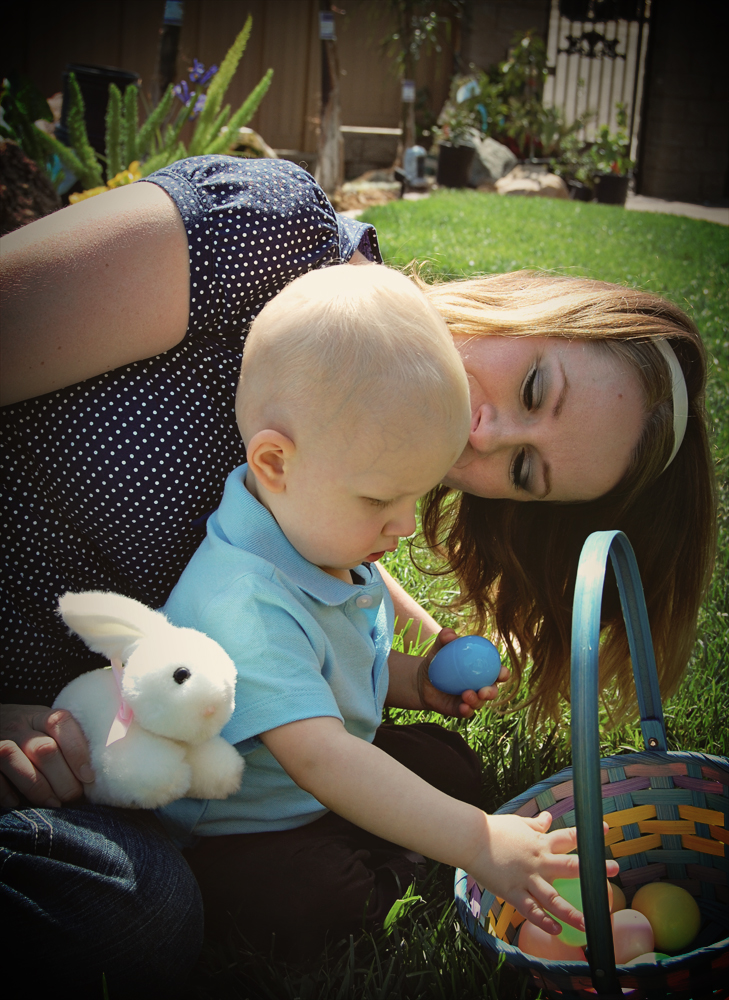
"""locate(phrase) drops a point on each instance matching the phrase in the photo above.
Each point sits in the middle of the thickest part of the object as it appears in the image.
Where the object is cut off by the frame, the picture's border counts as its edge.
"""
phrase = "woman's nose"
(493, 430)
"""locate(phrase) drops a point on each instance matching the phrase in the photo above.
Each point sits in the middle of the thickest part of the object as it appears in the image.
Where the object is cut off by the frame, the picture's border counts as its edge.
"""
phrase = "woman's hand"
(468, 702)
(43, 755)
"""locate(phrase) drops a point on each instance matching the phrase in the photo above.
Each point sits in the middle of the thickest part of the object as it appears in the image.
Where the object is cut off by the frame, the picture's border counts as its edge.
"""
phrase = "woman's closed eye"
(532, 390)
(520, 470)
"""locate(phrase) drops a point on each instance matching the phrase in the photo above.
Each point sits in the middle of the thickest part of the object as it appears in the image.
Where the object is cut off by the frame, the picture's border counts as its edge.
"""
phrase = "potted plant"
(575, 166)
(610, 154)
(454, 136)
(601, 167)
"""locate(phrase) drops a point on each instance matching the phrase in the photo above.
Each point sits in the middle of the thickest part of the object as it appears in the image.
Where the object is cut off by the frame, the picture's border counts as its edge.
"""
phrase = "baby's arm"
(408, 609)
(515, 858)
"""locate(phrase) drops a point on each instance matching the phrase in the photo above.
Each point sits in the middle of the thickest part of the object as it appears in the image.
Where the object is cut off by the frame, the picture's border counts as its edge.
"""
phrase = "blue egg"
(468, 663)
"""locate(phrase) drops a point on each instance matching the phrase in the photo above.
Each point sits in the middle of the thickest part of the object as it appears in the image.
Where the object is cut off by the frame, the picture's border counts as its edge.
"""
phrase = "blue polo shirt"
(304, 643)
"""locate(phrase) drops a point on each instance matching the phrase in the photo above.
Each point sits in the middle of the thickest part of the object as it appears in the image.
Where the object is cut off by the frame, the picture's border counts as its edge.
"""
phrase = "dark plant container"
(454, 165)
(94, 83)
(579, 191)
(611, 189)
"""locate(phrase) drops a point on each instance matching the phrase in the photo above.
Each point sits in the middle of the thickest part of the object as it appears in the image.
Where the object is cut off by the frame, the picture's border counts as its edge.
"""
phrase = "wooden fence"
(126, 33)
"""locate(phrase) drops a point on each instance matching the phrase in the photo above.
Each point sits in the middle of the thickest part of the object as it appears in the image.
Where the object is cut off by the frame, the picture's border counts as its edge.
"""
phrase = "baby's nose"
(402, 526)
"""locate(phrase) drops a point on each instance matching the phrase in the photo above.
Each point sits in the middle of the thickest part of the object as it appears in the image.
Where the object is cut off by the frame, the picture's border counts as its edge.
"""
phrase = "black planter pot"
(611, 189)
(454, 165)
(94, 84)
(579, 191)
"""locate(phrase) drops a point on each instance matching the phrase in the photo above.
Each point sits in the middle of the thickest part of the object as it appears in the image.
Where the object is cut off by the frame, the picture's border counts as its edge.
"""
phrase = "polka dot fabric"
(108, 482)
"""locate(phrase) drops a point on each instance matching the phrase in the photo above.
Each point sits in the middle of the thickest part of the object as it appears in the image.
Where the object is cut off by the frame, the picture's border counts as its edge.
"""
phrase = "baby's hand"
(465, 704)
(521, 860)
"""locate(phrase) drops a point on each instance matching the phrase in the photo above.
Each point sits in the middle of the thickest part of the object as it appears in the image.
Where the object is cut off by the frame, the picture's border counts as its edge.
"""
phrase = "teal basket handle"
(586, 730)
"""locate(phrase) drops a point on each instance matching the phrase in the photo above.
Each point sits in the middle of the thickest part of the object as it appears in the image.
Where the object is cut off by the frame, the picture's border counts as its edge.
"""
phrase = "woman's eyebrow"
(563, 393)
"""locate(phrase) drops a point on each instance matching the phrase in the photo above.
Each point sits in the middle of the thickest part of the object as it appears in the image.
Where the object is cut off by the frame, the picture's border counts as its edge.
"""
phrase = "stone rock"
(365, 192)
(492, 161)
(533, 181)
(252, 144)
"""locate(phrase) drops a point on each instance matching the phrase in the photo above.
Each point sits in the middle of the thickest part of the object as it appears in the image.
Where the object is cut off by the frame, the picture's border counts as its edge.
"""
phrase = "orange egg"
(618, 898)
(632, 935)
(534, 941)
(672, 912)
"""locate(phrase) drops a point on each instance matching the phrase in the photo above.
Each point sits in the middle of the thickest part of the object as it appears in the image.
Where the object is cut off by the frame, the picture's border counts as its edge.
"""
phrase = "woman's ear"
(268, 454)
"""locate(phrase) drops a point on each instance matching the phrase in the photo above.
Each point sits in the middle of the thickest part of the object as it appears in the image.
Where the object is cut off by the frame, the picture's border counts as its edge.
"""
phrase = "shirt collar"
(248, 525)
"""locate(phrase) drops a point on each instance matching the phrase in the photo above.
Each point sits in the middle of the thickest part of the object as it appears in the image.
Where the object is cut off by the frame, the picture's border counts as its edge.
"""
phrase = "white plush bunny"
(153, 729)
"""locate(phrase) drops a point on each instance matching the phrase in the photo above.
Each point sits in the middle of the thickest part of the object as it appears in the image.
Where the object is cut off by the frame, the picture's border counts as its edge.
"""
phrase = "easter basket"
(667, 812)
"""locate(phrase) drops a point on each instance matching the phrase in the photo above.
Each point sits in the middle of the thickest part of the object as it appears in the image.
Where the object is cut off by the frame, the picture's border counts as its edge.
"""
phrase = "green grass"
(427, 954)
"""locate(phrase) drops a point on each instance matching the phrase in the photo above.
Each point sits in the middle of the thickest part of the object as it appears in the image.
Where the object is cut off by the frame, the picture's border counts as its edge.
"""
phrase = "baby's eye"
(378, 503)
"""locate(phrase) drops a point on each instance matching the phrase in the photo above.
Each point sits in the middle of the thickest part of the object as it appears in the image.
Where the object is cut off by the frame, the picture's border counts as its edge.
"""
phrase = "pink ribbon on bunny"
(125, 714)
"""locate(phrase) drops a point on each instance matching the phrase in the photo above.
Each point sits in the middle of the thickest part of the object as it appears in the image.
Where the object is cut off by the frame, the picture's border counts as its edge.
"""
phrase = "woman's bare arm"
(97, 285)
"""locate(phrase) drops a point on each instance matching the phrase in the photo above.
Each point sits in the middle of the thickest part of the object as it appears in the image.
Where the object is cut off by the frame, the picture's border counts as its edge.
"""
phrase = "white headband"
(680, 396)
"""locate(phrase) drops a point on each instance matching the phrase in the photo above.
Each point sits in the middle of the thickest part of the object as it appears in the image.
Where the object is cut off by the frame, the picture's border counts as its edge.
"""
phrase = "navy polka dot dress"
(108, 482)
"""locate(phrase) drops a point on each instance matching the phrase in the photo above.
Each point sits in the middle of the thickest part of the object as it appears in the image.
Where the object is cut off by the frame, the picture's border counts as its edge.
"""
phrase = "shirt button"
(364, 601)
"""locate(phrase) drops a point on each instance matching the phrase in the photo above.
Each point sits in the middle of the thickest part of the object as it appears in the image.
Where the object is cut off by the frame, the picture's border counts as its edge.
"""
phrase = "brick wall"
(684, 153)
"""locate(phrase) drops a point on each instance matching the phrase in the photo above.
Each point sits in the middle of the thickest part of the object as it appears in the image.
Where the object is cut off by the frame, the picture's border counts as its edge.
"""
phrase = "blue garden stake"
(585, 726)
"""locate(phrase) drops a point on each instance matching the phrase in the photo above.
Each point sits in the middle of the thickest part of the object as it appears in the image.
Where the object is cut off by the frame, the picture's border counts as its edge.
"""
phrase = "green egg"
(569, 889)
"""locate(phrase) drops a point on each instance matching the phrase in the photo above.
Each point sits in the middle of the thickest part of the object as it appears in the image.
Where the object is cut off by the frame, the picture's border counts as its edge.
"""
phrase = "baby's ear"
(268, 454)
(109, 623)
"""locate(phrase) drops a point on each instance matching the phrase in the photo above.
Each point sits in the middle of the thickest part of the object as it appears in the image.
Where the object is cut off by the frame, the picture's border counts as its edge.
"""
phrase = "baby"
(352, 403)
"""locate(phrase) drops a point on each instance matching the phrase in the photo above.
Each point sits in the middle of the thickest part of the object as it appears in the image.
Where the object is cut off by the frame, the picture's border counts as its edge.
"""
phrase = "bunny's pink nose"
(207, 712)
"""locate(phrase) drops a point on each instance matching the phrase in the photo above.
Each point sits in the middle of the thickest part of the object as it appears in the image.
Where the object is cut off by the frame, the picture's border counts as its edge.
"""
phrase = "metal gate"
(596, 51)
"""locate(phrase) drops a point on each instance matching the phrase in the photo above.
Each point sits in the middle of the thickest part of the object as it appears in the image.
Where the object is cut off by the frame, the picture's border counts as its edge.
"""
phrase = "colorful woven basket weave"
(668, 815)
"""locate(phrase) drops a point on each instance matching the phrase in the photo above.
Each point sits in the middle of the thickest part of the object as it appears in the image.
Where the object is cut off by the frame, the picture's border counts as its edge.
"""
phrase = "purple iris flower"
(198, 75)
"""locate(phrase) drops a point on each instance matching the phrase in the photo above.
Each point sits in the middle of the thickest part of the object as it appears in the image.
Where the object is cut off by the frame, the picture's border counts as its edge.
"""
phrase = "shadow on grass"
(427, 955)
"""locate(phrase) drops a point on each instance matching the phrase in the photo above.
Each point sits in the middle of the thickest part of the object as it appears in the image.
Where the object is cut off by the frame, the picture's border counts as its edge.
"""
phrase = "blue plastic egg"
(466, 664)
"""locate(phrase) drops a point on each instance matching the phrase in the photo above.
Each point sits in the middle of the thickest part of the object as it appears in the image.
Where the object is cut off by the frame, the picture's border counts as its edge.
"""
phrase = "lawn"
(427, 954)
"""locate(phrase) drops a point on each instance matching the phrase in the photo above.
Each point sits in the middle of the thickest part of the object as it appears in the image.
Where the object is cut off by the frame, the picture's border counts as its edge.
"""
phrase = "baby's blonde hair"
(342, 342)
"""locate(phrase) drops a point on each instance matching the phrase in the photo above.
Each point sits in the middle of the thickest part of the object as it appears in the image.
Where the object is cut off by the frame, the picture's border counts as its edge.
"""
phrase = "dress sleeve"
(253, 226)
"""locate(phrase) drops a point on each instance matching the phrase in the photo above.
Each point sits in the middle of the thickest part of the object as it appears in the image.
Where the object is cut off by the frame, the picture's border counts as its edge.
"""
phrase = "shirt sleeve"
(253, 225)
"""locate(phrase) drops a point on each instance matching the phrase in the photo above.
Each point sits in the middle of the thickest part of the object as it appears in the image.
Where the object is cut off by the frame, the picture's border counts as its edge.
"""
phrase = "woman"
(97, 440)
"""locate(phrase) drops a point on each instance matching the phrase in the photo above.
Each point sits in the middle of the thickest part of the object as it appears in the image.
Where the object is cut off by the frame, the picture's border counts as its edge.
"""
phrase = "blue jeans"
(90, 890)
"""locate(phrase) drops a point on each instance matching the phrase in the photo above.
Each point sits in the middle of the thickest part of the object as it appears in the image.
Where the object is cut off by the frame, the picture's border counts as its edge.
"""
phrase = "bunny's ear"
(109, 623)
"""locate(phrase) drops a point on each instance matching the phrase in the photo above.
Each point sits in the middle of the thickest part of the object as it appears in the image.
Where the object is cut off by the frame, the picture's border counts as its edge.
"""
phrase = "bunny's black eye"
(181, 675)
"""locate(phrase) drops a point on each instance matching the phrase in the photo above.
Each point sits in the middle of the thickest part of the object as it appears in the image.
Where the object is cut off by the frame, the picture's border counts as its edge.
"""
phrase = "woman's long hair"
(516, 562)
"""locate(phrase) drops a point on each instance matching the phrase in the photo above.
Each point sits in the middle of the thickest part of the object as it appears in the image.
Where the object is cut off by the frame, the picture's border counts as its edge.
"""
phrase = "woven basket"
(668, 815)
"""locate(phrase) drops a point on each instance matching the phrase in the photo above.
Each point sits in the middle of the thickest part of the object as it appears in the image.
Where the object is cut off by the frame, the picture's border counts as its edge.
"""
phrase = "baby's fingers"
(562, 841)
(540, 823)
(550, 899)
(529, 908)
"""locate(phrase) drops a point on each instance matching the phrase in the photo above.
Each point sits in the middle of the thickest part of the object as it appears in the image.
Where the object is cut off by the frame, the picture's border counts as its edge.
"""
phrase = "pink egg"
(632, 935)
(534, 941)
